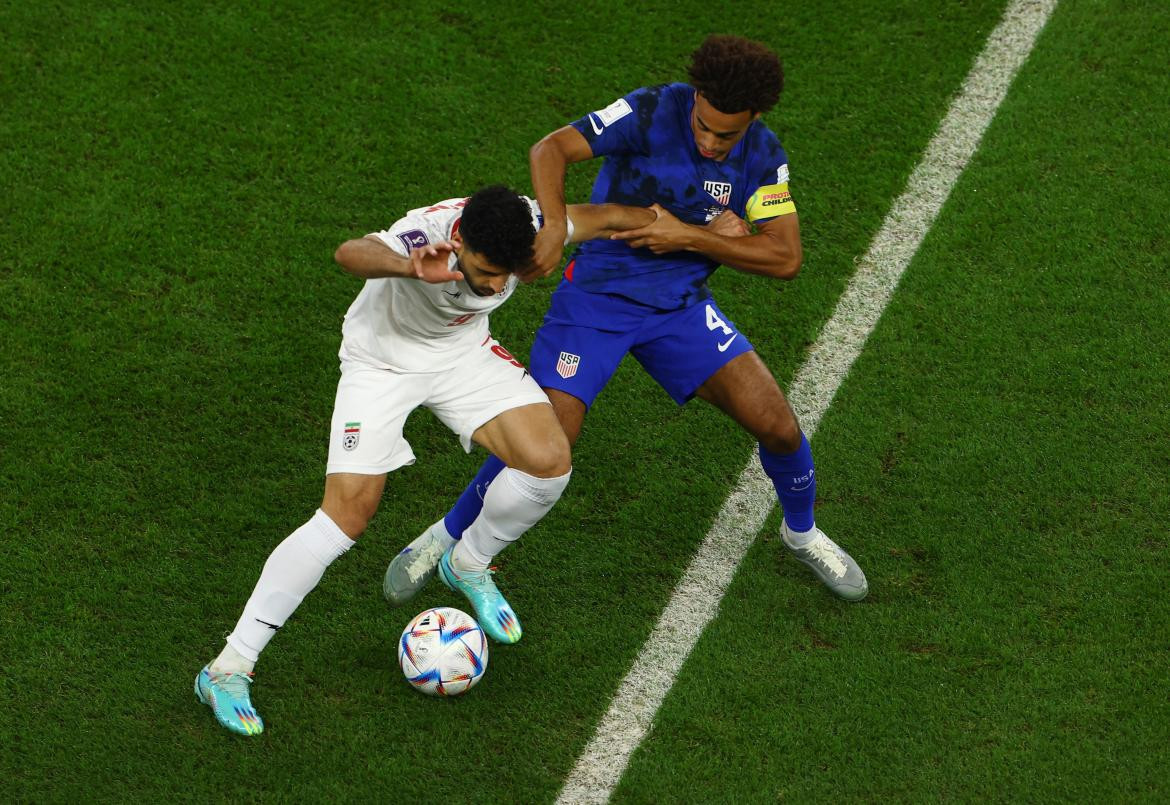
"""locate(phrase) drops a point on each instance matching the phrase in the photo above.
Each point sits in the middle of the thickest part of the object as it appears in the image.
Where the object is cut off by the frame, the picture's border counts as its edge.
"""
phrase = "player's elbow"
(543, 149)
(788, 266)
(347, 253)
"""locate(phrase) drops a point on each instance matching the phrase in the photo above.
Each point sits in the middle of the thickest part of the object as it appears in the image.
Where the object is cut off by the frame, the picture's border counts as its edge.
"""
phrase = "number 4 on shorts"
(716, 323)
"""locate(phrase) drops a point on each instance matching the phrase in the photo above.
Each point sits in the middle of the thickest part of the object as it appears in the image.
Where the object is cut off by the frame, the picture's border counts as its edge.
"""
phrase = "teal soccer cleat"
(491, 610)
(227, 696)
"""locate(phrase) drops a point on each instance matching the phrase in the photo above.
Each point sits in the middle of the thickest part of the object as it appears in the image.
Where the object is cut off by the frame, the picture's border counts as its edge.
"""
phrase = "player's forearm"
(370, 259)
(761, 253)
(548, 162)
(620, 217)
(602, 220)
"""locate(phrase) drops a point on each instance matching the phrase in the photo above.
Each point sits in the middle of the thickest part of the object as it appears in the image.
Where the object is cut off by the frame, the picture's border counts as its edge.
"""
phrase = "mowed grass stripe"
(695, 600)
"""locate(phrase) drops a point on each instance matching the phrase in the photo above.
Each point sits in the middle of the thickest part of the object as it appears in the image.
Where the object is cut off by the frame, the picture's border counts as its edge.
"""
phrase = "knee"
(550, 460)
(353, 520)
(351, 509)
(782, 436)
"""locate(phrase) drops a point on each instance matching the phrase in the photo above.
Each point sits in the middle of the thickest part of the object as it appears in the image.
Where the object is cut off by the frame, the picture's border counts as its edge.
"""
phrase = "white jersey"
(407, 325)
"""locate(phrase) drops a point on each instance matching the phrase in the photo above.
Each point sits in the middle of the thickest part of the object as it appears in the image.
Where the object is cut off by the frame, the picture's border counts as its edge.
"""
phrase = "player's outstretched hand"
(729, 225)
(665, 234)
(432, 263)
(546, 253)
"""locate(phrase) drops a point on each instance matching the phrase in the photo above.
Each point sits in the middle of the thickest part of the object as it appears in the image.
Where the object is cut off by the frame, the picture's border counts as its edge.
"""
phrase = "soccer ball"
(443, 652)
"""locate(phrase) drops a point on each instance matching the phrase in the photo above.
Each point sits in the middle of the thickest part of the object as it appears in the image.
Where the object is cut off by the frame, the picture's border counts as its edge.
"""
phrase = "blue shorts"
(585, 336)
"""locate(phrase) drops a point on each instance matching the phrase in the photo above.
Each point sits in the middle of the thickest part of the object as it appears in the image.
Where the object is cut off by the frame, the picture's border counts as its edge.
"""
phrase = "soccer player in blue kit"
(717, 179)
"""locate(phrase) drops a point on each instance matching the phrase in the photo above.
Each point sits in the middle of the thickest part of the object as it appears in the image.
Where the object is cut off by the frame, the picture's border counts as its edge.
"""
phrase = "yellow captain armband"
(770, 201)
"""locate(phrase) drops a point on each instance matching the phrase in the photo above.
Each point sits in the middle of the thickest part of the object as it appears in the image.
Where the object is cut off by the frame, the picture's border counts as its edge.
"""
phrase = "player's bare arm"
(548, 160)
(605, 220)
(773, 251)
(370, 258)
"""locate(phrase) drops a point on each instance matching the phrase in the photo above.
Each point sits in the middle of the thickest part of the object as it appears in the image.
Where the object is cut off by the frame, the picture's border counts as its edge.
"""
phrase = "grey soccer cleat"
(832, 565)
(411, 569)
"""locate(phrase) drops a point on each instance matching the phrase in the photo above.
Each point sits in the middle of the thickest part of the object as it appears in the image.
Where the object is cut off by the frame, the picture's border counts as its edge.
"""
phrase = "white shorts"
(372, 405)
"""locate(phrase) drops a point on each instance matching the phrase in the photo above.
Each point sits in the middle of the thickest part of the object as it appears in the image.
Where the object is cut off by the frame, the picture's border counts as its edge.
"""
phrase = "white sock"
(514, 503)
(798, 539)
(231, 661)
(291, 572)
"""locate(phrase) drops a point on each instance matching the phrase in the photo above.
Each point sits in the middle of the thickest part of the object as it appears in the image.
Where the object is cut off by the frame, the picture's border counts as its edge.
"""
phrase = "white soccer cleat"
(411, 569)
(835, 568)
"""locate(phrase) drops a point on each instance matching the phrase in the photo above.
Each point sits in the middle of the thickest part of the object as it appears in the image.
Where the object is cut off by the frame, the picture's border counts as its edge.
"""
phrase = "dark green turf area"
(999, 459)
(176, 179)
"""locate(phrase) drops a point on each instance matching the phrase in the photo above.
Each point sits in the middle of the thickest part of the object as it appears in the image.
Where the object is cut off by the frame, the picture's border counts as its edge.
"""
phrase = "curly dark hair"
(736, 74)
(497, 223)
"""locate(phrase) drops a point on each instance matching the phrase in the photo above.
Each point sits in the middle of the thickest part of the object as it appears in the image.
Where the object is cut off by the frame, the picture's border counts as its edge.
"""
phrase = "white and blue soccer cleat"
(413, 567)
(835, 568)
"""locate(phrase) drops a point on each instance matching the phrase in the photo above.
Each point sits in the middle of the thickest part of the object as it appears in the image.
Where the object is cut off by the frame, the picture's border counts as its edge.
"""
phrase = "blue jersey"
(651, 156)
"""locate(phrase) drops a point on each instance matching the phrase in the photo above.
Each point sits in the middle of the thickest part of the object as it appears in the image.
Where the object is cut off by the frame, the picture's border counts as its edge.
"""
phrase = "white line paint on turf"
(695, 600)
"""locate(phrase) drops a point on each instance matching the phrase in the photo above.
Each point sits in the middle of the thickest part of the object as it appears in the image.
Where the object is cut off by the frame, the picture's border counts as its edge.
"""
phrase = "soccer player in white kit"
(417, 334)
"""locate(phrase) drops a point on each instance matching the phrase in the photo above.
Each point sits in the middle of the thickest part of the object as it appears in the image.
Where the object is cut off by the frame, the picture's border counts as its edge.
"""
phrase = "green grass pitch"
(176, 178)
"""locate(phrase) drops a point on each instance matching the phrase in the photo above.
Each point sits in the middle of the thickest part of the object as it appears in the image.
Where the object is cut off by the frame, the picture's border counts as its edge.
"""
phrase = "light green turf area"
(176, 179)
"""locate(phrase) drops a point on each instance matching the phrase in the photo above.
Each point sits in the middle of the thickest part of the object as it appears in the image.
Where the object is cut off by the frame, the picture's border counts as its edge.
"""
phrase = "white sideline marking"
(695, 600)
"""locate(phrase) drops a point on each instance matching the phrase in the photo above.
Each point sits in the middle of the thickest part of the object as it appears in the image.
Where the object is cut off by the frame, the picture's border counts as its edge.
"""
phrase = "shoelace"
(425, 560)
(823, 551)
(480, 579)
(235, 684)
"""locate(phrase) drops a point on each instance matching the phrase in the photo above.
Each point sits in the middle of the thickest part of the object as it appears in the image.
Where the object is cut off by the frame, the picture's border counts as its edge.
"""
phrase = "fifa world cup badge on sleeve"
(414, 239)
(353, 431)
(567, 364)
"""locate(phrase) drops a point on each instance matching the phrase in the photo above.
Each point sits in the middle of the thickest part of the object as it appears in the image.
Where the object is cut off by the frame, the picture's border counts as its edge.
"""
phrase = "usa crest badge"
(353, 432)
(720, 191)
(567, 364)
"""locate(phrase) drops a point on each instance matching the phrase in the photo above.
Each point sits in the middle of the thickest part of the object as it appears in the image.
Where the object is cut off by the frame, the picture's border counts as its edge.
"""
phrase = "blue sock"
(796, 483)
(468, 507)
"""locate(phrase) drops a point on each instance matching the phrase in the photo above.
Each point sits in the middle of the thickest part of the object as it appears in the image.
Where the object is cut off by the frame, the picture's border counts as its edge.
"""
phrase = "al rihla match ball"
(443, 652)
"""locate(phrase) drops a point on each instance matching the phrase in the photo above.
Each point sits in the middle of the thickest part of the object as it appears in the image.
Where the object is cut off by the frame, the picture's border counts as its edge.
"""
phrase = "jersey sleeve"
(422, 226)
(771, 198)
(538, 220)
(620, 127)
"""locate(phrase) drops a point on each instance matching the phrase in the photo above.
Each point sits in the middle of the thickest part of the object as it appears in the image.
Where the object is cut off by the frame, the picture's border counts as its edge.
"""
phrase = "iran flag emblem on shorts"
(353, 432)
(567, 364)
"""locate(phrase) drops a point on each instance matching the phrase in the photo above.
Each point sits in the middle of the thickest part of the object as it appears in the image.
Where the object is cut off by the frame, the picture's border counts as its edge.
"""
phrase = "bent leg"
(529, 440)
(532, 443)
(745, 390)
(570, 412)
(297, 564)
